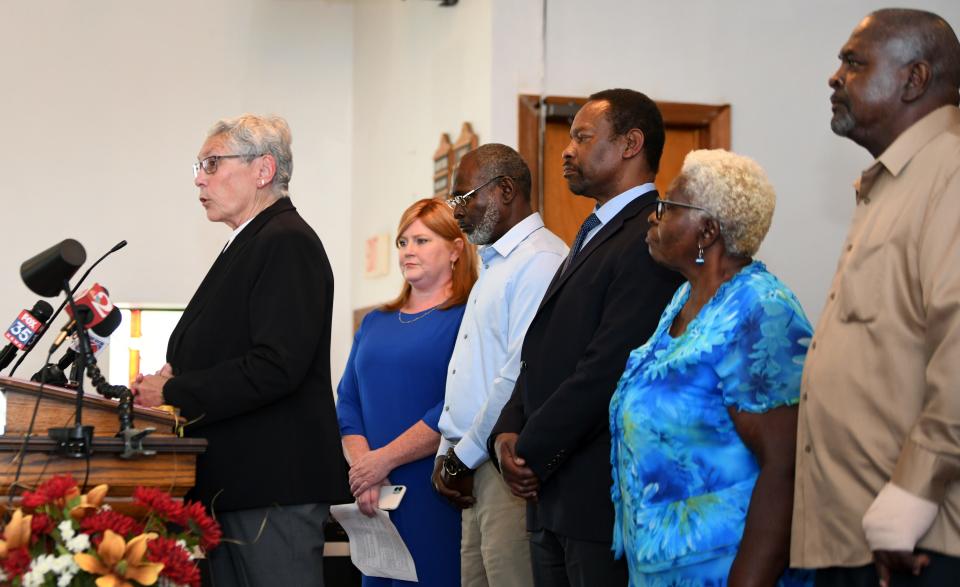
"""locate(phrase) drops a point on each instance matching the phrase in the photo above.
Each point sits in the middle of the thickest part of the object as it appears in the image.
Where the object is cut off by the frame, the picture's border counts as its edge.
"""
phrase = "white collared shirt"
(234, 234)
(613, 207)
(483, 369)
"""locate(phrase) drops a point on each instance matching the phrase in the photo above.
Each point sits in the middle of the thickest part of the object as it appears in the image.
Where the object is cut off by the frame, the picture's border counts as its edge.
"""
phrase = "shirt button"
(804, 397)
(813, 345)
(866, 200)
(486, 265)
(454, 372)
(465, 336)
(807, 448)
(833, 295)
(446, 408)
(849, 247)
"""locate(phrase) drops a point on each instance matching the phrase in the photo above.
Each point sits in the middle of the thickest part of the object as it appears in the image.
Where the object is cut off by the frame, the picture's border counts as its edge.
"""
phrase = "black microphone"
(45, 272)
(25, 331)
(99, 337)
(115, 248)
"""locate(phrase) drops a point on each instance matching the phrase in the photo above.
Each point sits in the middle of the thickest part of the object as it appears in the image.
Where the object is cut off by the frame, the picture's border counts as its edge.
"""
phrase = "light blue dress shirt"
(514, 275)
(613, 207)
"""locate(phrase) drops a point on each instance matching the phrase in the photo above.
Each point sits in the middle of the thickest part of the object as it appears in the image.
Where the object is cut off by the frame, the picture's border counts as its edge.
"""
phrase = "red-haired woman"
(391, 393)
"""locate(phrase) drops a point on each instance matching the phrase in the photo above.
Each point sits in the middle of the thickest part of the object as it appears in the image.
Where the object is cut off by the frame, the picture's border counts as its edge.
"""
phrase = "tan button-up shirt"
(880, 395)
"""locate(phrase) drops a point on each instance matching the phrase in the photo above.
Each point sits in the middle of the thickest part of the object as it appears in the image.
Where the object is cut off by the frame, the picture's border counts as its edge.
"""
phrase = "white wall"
(419, 70)
(107, 104)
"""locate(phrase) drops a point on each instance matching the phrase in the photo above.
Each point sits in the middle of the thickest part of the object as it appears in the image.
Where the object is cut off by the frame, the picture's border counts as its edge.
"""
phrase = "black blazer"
(605, 305)
(251, 360)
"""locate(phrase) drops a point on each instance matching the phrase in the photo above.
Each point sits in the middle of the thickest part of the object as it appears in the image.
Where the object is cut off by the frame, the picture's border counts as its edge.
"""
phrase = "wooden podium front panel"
(171, 469)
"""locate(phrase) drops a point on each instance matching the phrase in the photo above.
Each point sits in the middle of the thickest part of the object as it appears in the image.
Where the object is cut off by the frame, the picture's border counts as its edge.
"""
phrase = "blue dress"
(682, 477)
(395, 376)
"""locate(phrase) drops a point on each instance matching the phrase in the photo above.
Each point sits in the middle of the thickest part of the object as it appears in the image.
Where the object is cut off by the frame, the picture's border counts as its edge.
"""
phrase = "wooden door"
(688, 127)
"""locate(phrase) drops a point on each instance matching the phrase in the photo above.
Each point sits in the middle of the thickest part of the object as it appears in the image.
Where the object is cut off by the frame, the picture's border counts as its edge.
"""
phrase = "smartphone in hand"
(390, 496)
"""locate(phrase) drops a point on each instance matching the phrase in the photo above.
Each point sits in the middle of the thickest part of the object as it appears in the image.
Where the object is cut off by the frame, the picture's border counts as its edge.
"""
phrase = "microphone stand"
(76, 442)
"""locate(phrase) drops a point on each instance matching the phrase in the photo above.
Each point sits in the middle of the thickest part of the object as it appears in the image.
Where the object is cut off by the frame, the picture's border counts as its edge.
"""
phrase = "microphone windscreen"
(42, 310)
(109, 324)
(45, 272)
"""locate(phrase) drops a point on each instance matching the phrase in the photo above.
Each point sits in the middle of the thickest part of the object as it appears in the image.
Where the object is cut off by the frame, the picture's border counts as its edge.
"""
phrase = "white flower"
(66, 530)
(62, 566)
(78, 543)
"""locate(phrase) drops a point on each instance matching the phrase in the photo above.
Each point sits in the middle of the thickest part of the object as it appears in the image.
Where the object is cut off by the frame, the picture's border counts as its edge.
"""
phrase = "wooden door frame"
(715, 119)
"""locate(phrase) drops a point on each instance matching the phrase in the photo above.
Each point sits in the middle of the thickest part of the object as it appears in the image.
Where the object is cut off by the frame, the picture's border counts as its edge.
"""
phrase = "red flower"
(40, 525)
(96, 524)
(161, 503)
(17, 562)
(177, 565)
(200, 522)
(56, 490)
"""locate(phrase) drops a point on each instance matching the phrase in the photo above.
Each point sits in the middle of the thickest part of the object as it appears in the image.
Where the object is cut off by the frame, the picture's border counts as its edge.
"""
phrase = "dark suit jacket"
(605, 305)
(251, 359)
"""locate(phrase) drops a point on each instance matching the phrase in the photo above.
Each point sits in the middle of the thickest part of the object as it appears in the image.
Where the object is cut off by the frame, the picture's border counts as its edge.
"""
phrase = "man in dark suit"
(552, 441)
(248, 365)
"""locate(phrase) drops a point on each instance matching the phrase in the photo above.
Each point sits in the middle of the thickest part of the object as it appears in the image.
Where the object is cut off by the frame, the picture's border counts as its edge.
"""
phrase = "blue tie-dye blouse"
(682, 478)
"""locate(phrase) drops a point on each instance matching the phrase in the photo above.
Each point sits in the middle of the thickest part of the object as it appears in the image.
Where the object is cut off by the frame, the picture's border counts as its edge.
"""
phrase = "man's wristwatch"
(453, 466)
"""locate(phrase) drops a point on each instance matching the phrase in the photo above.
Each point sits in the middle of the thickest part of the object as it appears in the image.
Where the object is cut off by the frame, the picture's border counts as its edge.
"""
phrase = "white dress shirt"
(613, 206)
(515, 273)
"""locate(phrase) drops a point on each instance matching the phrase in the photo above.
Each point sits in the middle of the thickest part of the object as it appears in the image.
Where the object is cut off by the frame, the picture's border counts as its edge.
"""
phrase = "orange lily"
(89, 502)
(16, 534)
(119, 561)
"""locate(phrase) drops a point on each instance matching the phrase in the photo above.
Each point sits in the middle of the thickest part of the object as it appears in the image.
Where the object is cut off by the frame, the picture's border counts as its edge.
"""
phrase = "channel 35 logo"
(23, 330)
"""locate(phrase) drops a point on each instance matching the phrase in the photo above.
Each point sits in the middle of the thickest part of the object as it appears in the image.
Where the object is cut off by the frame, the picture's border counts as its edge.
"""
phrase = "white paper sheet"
(376, 547)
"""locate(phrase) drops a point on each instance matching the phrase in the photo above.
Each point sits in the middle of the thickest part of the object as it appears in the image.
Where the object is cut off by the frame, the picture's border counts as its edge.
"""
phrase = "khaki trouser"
(495, 548)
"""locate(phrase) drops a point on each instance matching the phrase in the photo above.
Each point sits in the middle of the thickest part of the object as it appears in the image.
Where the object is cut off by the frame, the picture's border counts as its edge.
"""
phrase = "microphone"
(45, 272)
(115, 248)
(24, 331)
(93, 306)
(99, 336)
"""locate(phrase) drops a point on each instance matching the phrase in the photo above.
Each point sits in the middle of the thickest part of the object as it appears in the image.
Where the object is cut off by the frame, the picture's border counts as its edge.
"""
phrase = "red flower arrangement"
(65, 538)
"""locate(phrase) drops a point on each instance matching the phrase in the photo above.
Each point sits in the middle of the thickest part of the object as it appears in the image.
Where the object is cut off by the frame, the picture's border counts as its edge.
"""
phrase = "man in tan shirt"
(878, 448)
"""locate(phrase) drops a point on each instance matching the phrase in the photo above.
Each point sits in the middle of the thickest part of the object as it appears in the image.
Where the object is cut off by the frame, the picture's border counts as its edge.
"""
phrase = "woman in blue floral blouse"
(704, 419)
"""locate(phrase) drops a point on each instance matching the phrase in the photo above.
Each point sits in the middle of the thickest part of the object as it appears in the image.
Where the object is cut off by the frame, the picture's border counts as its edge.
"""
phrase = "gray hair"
(735, 191)
(494, 159)
(920, 35)
(251, 135)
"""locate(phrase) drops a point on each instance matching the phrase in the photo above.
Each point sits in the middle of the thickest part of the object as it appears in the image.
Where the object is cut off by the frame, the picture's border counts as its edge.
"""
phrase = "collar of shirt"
(513, 237)
(908, 144)
(234, 234)
(613, 206)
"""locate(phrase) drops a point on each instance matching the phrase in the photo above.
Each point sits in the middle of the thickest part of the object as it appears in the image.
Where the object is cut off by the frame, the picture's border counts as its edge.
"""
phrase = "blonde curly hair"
(736, 192)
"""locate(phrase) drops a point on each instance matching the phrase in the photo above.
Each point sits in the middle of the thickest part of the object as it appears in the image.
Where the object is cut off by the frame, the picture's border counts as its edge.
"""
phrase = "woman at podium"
(248, 365)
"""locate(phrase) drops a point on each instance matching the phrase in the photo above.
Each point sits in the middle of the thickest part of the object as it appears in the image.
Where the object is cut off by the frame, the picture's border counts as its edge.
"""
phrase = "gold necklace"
(423, 315)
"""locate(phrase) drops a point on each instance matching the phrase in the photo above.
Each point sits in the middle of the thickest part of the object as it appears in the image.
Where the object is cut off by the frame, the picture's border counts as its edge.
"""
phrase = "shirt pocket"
(862, 285)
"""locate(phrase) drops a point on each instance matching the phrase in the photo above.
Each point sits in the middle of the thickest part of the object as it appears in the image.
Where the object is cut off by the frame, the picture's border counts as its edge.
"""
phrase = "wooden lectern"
(172, 468)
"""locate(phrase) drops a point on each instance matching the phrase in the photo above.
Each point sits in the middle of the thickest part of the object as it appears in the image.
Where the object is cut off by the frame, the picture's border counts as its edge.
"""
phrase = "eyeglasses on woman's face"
(663, 205)
(209, 164)
(462, 199)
